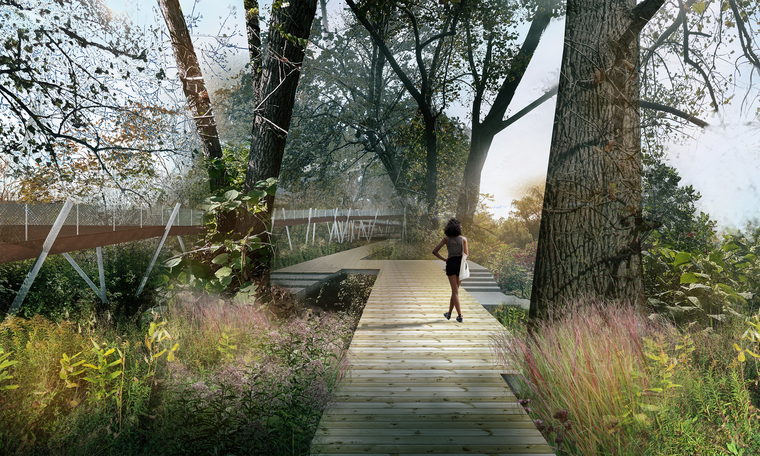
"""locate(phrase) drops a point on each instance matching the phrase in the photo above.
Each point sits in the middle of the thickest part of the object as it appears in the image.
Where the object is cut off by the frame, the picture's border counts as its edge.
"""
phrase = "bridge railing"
(291, 214)
(21, 217)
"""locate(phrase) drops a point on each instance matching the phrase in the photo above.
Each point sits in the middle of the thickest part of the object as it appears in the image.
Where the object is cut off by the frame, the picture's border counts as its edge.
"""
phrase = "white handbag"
(464, 270)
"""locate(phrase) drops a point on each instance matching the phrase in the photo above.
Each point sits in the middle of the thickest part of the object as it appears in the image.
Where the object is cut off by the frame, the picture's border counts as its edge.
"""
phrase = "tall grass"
(602, 378)
(204, 376)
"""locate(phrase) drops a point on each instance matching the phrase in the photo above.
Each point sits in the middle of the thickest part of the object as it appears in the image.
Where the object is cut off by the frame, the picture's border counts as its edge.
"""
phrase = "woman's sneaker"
(459, 318)
(447, 315)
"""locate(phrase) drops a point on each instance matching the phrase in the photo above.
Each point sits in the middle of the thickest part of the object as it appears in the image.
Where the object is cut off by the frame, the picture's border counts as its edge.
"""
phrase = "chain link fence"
(22, 222)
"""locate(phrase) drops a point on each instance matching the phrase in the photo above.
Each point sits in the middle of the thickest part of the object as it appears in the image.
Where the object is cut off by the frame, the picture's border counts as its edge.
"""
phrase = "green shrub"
(58, 292)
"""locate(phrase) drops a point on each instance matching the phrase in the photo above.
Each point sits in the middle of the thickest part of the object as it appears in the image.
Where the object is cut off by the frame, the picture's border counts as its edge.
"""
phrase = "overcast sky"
(721, 162)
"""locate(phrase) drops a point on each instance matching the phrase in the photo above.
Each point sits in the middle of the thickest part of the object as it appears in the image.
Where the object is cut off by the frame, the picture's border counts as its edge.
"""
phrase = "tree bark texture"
(193, 85)
(589, 240)
(275, 95)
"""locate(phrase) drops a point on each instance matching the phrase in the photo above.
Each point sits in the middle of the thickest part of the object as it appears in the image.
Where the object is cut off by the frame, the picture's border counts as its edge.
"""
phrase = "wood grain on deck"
(417, 383)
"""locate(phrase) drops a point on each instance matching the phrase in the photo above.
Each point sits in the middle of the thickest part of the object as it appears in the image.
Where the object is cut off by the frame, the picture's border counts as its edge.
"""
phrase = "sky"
(722, 162)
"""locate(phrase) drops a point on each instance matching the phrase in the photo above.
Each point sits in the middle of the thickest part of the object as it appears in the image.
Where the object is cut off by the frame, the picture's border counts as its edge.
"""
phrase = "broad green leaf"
(226, 281)
(223, 272)
(221, 259)
(257, 194)
(681, 259)
(231, 195)
(699, 7)
(689, 277)
(5, 364)
(113, 375)
(694, 300)
(731, 246)
(171, 262)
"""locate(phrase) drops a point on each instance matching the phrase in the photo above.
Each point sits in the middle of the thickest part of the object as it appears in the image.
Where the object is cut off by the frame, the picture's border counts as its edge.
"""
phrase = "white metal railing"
(347, 228)
(290, 214)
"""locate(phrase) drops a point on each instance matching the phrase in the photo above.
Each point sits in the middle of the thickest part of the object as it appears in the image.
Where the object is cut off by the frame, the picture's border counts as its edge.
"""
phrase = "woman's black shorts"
(452, 266)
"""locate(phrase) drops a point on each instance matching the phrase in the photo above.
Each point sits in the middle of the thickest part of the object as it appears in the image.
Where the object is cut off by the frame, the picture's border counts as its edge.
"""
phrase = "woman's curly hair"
(453, 228)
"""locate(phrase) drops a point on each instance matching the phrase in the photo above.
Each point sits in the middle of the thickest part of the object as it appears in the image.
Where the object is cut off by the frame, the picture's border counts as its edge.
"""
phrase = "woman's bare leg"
(454, 281)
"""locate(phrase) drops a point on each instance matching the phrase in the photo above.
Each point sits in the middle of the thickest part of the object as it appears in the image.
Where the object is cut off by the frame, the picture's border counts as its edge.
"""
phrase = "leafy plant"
(5, 363)
(68, 366)
(223, 263)
(511, 317)
(102, 374)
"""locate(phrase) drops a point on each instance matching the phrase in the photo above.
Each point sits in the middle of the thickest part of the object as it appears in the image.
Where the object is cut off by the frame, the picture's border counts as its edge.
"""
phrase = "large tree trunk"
(431, 171)
(194, 87)
(275, 96)
(276, 76)
(589, 241)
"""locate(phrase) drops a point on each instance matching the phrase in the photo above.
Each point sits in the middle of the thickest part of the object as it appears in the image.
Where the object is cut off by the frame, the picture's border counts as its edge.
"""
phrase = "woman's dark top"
(455, 246)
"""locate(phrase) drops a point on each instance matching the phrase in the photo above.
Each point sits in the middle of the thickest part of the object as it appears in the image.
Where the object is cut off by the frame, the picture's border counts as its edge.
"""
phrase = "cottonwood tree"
(591, 225)
(432, 29)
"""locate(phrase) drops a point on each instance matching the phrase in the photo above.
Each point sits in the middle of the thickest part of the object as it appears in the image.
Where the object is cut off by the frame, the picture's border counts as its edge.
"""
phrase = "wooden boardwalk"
(419, 384)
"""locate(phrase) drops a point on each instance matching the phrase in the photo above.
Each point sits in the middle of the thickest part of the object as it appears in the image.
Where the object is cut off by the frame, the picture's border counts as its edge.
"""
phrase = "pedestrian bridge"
(418, 383)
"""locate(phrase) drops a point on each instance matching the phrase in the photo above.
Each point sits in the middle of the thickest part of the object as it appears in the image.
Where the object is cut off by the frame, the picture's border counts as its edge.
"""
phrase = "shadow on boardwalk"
(418, 383)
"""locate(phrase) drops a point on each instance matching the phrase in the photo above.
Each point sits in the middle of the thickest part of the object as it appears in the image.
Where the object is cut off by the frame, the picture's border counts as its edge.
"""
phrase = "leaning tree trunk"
(195, 89)
(589, 241)
(469, 194)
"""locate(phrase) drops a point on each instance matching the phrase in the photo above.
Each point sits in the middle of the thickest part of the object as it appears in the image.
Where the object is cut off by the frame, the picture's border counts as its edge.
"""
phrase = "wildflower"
(561, 416)
(540, 425)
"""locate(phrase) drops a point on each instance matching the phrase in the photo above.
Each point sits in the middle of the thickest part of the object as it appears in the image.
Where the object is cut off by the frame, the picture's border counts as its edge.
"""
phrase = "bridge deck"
(419, 384)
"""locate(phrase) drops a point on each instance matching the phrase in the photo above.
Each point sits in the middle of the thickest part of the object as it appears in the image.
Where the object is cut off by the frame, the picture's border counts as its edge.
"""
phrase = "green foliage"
(5, 364)
(102, 374)
(223, 264)
(285, 257)
(665, 201)
(260, 389)
(512, 269)
(704, 286)
(603, 379)
(511, 317)
(58, 292)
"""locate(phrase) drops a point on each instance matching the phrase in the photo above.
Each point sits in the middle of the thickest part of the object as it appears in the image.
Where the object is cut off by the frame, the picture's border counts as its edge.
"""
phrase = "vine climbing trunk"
(194, 87)
(275, 76)
(589, 240)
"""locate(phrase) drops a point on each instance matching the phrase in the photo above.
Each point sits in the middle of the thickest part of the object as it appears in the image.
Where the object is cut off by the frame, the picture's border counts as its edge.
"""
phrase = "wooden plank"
(418, 383)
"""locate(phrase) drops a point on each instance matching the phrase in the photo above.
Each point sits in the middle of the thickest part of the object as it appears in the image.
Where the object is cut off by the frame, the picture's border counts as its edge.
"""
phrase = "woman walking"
(456, 244)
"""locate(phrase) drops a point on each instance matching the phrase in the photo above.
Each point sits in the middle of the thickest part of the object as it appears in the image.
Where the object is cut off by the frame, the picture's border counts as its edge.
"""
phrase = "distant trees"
(431, 28)
(494, 66)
